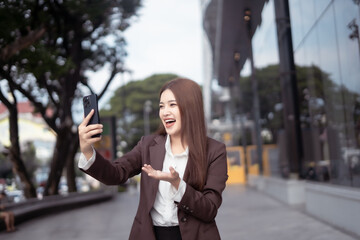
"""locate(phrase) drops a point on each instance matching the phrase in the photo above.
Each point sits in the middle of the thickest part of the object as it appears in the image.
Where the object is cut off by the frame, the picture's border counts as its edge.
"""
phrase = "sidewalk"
(246, 214)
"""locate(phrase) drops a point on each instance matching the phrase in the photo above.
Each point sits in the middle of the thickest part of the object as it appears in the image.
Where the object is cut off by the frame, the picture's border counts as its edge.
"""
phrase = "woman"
(8, 216)
(185, 172)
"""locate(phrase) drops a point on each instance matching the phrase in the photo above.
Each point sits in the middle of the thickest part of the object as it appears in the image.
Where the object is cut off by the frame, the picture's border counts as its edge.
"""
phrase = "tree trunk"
(15, 155)
(61, 152)
(70, 168)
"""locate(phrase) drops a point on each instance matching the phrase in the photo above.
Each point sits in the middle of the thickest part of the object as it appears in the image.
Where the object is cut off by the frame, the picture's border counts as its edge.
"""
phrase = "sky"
(166, 37)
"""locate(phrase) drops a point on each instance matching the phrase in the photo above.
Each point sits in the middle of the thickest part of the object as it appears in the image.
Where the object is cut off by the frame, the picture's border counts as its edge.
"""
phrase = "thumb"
(172, 170)
(87, 118)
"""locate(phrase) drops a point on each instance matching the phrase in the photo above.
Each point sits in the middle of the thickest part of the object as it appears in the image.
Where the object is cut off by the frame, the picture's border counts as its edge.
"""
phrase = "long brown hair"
(189, 99)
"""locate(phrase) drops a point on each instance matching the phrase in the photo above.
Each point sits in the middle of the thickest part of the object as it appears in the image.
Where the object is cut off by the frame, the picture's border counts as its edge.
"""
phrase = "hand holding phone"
(90, 102)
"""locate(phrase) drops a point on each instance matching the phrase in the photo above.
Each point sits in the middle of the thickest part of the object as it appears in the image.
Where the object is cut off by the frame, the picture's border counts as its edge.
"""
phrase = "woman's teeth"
(169, 122)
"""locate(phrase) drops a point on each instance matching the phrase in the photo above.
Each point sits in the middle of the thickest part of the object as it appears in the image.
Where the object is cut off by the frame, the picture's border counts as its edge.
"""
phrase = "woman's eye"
(172, 104)
(161, 106)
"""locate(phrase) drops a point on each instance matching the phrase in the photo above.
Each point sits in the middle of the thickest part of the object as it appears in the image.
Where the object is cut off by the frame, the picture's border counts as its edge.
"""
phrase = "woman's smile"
(169, 122)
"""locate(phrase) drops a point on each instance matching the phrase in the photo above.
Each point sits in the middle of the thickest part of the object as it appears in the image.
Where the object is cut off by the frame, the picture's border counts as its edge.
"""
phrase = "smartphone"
(90, 102)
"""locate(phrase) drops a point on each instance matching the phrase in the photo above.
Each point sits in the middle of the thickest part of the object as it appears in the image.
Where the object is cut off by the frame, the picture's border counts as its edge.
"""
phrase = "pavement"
(245, 214)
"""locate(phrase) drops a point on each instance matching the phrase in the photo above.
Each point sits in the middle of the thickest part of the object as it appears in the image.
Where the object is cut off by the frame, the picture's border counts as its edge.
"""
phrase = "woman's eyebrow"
(168, 101)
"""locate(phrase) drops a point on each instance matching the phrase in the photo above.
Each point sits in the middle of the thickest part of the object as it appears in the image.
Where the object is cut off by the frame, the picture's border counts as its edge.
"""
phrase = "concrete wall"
(290, 191)
(336, 205)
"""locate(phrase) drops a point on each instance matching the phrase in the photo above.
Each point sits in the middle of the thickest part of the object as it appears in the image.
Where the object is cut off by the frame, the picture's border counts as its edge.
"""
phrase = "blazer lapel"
(157, 155)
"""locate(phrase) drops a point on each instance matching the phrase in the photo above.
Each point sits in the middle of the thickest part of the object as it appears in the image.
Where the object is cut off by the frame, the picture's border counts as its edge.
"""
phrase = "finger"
(172, 170)
(149, 172)
(90, 135)
(88, 117)
(144, 169)
(86, 132)
(93, 130)
(93, 140)
(148, 167)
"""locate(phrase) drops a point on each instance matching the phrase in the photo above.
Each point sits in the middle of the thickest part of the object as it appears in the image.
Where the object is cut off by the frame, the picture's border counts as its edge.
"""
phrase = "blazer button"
(184, 219)
(187, 208)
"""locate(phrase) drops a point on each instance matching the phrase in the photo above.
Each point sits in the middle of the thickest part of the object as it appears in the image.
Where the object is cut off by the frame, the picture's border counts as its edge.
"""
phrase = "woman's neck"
(177, 146)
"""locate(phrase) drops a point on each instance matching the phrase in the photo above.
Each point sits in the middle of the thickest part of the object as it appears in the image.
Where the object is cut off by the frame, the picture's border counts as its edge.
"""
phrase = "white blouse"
(164, 211)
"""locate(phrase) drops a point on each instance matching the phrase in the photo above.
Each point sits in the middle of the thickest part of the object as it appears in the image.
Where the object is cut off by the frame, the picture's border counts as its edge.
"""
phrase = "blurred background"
(280, 80)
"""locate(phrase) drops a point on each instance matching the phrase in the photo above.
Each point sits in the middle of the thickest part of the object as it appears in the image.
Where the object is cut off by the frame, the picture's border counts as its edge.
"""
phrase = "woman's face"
(169, 113)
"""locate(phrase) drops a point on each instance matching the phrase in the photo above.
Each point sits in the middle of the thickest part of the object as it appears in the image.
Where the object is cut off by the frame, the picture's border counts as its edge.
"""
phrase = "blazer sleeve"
(118, 171)
(204, 204)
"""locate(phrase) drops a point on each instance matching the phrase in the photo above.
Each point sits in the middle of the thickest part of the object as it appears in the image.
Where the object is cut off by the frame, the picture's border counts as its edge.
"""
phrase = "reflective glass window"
(320, 6)
(328, 72)
(265, 40)
(304, 12)
(296, 22)
(346, 23)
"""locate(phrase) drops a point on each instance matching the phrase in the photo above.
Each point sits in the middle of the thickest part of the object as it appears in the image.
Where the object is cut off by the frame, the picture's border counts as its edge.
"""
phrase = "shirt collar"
(168, 148)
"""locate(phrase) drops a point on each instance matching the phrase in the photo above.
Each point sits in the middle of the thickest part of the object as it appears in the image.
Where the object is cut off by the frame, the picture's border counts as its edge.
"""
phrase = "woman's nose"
(166, 111)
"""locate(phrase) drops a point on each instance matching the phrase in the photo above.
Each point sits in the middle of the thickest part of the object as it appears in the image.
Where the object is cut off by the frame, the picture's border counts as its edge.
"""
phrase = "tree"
(52, 44)
(10, 46)
(127, 104)
(14, 150)
(5, 163)
(269, 97)
(29, 155)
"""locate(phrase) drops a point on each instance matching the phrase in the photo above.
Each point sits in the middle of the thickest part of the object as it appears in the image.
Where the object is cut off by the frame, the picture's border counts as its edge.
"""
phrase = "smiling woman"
(192, 122)
(184, 171)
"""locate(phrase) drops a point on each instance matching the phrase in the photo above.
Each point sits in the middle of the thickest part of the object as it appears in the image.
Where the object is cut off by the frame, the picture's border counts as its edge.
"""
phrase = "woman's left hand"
(171, 177)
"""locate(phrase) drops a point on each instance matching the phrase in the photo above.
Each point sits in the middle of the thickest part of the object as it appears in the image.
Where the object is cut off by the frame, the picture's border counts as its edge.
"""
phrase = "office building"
(292, 69)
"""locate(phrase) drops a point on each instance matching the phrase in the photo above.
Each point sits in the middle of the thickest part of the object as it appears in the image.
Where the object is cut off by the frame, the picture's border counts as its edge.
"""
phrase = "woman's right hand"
(85, 135)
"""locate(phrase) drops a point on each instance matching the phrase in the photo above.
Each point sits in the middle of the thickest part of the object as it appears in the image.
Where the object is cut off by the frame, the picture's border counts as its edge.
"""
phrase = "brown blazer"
(196, 210)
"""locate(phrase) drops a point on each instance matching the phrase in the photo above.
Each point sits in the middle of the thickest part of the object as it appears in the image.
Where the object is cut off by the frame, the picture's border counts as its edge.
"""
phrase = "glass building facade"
(326, 48)
(292, 71)
(326, 45)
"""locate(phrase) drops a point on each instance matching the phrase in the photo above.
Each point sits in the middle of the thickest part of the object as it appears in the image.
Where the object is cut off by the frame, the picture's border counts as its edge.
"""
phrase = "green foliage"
(269, 93)
(127, 105)
(29, 157)
(5, 165)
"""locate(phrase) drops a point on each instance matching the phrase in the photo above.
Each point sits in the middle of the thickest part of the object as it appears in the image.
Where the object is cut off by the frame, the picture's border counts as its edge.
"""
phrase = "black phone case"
(90, 102)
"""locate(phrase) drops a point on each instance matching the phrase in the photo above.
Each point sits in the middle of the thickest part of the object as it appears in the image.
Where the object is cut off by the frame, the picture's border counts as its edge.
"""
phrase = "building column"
(287, 74)
(254, 86)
